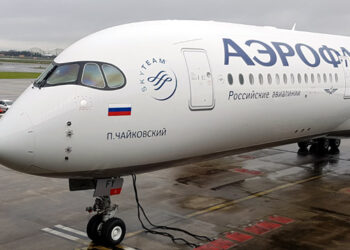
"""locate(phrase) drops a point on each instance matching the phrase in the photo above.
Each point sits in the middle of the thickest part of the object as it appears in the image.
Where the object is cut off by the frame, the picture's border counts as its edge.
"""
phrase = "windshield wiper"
(41, 83)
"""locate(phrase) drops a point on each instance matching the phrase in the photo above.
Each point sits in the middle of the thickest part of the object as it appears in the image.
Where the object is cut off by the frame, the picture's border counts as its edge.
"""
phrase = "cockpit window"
(115, 78)
(44, 74)
(92, 76)
(64, 74)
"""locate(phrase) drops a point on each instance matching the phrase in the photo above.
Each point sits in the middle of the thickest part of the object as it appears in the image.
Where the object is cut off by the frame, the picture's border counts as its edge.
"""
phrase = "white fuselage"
(195, 89)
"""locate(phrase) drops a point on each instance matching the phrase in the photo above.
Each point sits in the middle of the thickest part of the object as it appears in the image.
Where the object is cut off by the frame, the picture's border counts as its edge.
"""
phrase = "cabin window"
(299, 78)
(306, 78)
(269, 79)
(92, 76)
(261, 79)
(336, 77)
(230, 79)
(114, 78)
(292, 79)
(277, 78)
(312, 78)
(319, 78)
(241, 79)
(64, 74)
(330, 78)
(285, 78)
(251, 79)
(325, 78)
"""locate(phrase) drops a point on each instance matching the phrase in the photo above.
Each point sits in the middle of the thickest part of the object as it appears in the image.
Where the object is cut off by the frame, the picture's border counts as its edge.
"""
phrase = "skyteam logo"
(157, 79)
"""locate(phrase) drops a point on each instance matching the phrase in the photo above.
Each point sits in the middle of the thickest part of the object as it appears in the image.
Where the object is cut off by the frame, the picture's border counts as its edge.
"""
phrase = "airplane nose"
(16, 141)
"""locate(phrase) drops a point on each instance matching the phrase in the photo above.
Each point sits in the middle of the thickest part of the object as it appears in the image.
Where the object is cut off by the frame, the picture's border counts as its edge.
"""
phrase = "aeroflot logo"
(157, 79)
(267, 55)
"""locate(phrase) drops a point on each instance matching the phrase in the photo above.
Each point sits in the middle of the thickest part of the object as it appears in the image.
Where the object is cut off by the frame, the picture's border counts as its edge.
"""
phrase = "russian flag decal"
(119, 109)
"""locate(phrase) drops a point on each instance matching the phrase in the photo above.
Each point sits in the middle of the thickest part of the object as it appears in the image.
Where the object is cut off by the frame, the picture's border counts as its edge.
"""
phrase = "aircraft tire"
(303, 145)
(93, 228)
(113, 231)
(313, 149)
(303, 148)
(322, 146)
(334, 144)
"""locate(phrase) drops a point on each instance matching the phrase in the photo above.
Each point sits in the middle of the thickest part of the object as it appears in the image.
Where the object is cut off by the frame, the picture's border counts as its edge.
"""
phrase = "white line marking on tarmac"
(72, 230)
(60, 234)
(73, 238)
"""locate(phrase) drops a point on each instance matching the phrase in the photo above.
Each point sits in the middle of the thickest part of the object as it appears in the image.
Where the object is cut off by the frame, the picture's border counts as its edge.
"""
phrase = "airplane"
(151, 95)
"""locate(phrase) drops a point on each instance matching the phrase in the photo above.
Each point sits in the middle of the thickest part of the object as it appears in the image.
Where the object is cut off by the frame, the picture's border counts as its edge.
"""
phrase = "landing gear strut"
(104, 227)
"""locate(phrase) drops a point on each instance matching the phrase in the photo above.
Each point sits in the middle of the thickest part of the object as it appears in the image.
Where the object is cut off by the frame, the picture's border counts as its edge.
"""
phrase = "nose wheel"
(113, 231)
(94, 228)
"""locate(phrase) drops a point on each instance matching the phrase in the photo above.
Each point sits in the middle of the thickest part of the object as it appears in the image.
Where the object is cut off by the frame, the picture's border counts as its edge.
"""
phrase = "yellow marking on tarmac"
(231, 203)
(345, 190)
(92, 246)
(132, 234)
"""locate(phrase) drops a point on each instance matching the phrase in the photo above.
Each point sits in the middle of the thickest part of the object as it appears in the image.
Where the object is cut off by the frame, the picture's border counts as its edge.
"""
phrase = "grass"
(19, 60)
(18, 75)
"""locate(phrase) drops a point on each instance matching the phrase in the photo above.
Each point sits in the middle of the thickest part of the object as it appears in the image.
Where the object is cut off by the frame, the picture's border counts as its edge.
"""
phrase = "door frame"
(345, 62)
(189, 79)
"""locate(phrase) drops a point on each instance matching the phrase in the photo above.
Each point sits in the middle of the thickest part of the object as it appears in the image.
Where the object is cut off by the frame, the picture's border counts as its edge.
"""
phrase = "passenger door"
(200, 78)
(345, 61)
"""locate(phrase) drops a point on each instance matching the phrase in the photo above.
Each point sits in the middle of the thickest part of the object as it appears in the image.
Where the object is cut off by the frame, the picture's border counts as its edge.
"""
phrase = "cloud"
(51, 24)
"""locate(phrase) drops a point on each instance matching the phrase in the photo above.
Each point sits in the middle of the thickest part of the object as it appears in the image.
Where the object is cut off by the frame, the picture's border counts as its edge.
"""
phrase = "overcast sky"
(51, 24)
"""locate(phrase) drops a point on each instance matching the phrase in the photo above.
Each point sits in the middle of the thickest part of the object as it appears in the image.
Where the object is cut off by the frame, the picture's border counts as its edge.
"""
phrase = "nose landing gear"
(104, 227)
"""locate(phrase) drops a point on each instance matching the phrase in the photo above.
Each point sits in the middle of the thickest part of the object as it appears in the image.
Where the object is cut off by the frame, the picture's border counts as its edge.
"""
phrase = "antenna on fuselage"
(294, 26)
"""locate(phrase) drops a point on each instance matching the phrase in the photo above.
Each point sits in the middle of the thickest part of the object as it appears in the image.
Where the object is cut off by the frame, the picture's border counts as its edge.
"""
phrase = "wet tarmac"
(10, 89)
(22, 67)
(266, 199)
